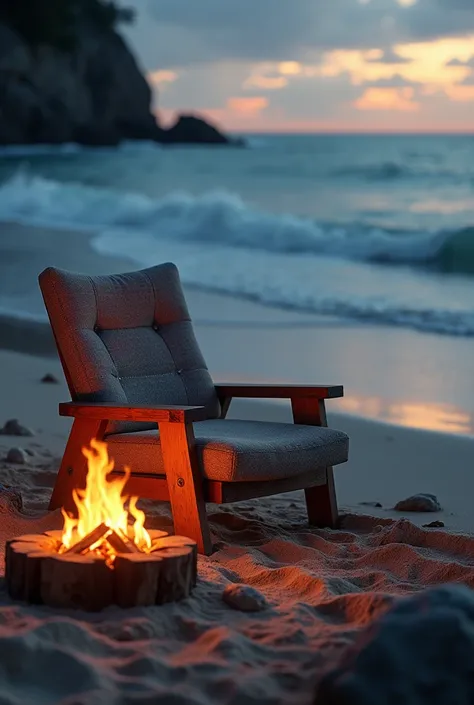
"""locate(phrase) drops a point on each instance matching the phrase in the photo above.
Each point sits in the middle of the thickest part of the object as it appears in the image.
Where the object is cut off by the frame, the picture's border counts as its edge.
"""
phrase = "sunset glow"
(422, 85)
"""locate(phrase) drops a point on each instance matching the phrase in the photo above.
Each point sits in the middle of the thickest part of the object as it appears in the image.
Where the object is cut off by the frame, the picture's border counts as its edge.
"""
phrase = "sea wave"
(67, 148)
(219, 243)
(394, 171)
(224, 218)
(323, 286)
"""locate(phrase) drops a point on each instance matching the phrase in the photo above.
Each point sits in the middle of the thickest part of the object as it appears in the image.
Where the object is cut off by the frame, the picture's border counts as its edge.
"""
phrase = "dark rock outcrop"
(93, 95)
(189, 129)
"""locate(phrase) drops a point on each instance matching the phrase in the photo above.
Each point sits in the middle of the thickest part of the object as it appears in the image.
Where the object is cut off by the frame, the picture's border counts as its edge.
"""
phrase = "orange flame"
(103, 502)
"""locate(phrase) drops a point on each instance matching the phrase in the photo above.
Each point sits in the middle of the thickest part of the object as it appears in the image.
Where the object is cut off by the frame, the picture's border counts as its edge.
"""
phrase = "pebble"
(49, 379)
(14, 428)
(17, 455)
(371, 504)
(419, 503)
(244, 598)
(437, 524)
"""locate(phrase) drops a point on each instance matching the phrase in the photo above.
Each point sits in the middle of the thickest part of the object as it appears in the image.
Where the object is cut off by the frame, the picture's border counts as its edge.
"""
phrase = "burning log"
(84, 544)
(121, 543)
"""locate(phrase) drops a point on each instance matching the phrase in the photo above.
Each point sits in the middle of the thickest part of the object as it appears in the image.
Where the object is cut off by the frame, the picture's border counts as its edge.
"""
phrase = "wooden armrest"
(279, 391)
(122, 412)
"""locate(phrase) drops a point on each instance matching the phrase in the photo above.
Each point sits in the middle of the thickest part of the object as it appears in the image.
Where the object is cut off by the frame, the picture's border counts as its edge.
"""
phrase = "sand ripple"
(322, 587)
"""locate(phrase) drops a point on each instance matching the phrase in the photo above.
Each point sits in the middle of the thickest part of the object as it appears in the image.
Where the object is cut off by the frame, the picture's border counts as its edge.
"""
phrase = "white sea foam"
(219, 242)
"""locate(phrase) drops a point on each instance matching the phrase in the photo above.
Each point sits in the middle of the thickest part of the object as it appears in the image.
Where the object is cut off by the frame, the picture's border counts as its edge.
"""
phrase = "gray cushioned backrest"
(127, 338)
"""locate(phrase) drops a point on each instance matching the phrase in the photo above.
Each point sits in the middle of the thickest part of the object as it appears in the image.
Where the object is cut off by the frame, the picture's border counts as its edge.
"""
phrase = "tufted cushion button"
(155, 326)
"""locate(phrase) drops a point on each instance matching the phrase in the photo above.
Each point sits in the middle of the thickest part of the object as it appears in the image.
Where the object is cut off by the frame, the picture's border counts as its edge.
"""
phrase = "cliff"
(92, 94)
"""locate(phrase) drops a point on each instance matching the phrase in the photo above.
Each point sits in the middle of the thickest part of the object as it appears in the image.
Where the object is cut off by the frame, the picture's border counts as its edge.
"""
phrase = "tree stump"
(77, 581)
(178, 542)
(36, 573)
(176, 575)
(136, 579)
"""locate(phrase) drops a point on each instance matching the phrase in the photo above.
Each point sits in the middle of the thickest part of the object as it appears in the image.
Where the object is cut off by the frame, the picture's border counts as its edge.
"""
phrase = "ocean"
(373, 228)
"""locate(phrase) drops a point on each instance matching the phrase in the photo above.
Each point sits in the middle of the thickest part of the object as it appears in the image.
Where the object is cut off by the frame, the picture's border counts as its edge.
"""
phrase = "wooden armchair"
(138, 380)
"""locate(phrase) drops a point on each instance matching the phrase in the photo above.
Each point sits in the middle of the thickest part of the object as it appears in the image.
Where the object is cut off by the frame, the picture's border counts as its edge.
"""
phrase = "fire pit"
(104, 555)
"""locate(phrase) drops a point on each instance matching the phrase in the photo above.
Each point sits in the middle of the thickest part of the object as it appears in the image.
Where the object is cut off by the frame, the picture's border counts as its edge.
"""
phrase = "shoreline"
(387, 463)
(392, 375)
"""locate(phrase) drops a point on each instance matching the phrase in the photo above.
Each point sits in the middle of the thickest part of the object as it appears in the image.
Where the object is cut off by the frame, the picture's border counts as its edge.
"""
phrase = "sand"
(323, 587)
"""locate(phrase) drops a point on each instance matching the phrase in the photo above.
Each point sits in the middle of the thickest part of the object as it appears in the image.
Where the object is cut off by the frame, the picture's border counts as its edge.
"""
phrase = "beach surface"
(322, 587)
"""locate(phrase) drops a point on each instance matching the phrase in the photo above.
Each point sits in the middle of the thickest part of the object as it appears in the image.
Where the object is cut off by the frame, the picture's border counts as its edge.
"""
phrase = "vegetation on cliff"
(57, 22)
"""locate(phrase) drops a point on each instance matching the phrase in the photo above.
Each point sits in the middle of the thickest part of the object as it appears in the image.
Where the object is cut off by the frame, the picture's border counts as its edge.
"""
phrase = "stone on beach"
(244, 598)
(49, 379)
(14, 428)
(420, 502)
(419, 653)
(17, 456)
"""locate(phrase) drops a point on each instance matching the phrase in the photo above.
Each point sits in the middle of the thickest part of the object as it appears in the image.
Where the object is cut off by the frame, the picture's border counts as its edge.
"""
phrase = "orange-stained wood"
(279, 391)
(185, 484)
(146, 485)
(123, 412)
(73, 469)
(321, 501)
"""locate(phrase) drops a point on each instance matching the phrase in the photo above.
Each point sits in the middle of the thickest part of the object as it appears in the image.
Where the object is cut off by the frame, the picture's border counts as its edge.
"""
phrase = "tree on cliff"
(55, 22)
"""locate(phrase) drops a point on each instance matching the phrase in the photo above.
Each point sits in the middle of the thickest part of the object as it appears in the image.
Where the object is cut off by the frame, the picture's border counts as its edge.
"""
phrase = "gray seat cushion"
(240, 451)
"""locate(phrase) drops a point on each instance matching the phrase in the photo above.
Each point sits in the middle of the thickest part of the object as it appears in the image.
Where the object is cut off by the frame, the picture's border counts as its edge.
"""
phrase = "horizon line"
(365, 131)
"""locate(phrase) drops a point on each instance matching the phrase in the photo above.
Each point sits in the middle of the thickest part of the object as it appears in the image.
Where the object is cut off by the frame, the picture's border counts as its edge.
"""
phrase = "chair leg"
(185, 484)
(321, 502)
(73, 469)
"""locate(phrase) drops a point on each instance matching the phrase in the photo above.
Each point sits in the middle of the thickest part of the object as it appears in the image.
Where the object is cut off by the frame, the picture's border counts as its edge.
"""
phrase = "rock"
(419, 503)
(244, 598)
(49, 379)
(189, 129)
(10, 499)
(93, 94)
(419, 653)
(434, 524)
(371, 504)
(14, 428)
(17, 456)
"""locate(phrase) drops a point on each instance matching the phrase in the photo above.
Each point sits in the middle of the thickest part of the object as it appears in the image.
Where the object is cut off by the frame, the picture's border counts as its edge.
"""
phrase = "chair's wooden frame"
(183, 485)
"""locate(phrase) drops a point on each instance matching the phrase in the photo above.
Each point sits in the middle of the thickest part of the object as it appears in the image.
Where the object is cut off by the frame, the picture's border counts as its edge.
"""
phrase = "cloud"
(395, 81)
(458, 62)
(175, 33)
(461, 93)
(388, 57)
(391, 99)
(161, 79)
(247, 106)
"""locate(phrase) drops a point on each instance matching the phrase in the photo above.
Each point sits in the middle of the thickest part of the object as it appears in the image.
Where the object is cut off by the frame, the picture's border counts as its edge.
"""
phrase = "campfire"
(103, 555)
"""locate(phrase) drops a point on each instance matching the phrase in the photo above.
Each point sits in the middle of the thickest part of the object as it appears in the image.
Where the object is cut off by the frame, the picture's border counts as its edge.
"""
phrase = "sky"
(310, 65)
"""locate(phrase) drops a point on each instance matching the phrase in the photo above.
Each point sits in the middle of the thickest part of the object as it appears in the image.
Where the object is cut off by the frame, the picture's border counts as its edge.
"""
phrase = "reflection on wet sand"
(429, 416)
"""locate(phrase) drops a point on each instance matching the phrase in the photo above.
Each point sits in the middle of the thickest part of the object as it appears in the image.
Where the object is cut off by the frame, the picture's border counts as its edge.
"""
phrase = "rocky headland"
(88, 90)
